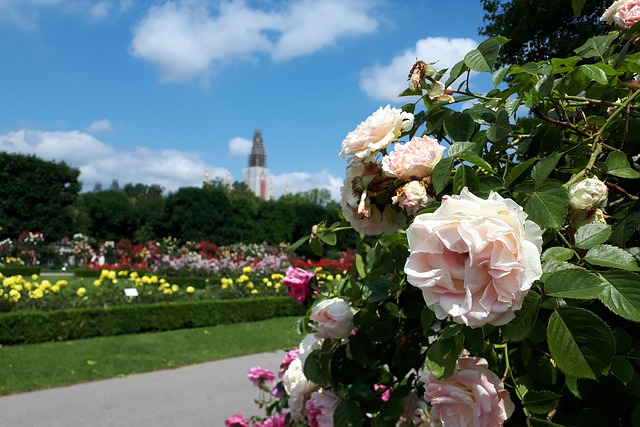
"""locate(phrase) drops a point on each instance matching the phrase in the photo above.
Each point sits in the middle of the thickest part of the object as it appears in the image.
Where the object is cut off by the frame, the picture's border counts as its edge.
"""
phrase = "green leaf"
(443, 354)
(573, 283)
(484, 57)
(621, 293)
(329, 238)
(478, 161)
(501, 128)
(594, 73)
(460, 147)
(544, 167)
(577, 6)
(441, 174)
(348, 414)
(611, 256)
(540, 402)
(314, 370)
(498, 76)
(518, 328)
(459, 126)
(558, 253)
(360, 265)
(455, 72)
(622, 369)
(618, 165)
(591, 235)
(548, 206)
(316, 246)
(465, 177)
(624, 228)
(580, 342)
(298, 243)
(596, 46)
(518, 170)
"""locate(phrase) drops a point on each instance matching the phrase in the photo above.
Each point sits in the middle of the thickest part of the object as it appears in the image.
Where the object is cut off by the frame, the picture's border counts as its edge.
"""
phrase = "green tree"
(36, 195)
(540, 29)
(111, 213)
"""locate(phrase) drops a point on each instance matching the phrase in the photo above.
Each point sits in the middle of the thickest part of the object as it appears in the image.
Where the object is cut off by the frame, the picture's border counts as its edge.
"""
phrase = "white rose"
(298, 388)
(474, 259)
(334, 319)
(412, 197)
(587, 194)
(376, 133)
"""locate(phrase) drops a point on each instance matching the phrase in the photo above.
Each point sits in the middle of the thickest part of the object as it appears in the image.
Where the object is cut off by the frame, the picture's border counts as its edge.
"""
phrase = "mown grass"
(37, 366)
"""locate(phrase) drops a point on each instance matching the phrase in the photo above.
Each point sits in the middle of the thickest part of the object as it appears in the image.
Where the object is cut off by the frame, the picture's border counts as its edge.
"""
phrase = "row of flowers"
(124, 287)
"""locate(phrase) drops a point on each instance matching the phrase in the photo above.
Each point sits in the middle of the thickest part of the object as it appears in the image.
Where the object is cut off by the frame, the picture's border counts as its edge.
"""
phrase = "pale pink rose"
(588, 194)
(297, 281)
(320, 408)
(413, 160)
(471, 396)
(334, 319)
(288, 358)
(412, 197)
(439, 93)
(364, 216)
(623, 13)
(376, 133)
(474, 259)
(236, 420)
(298, 388)
(260, 376)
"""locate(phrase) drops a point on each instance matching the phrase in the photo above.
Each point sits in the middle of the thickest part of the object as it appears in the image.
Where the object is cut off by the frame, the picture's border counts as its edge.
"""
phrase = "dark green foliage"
(19, 270)
(36, 195)
(62, 325)
(540, 29)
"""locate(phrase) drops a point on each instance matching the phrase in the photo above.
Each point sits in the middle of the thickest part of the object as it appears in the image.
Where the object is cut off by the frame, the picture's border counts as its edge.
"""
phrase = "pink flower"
(320, 408)
(259, 376)
(297, 281)
(277, 421)
(376, 133)
(474, 259)
(412, 197)
(288, 358)
(413, 160)
(386, 394)
(236, 420)
(363, 216)
(623, 13)
(334, 319)
(471, 396)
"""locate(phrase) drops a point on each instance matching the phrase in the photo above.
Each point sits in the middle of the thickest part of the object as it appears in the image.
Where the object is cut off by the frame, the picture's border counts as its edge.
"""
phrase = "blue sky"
(157, 91)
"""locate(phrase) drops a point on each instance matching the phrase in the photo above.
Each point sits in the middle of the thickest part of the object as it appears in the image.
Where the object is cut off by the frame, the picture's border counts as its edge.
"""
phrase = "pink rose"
(236, 420)
(277, 421)
(413, 160)
(334, 319)
(623, 13)
(376, 133)
(288, 358)
(320, 408)
(471, 396)
(474, 259)
(260, 376)
(363, 216)
(297, 282)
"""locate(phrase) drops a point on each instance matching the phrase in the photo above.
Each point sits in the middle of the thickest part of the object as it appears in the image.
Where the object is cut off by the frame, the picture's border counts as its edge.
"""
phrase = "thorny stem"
(597, 150)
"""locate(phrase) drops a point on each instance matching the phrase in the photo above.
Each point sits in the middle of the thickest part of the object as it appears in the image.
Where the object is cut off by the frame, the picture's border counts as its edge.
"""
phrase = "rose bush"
(508, 292)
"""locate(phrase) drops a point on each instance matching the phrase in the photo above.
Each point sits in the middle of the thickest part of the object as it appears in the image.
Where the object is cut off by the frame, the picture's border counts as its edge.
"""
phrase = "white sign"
(131, 292)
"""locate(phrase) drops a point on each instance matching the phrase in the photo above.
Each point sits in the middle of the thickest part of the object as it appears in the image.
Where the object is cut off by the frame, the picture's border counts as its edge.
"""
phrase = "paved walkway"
(192, 396)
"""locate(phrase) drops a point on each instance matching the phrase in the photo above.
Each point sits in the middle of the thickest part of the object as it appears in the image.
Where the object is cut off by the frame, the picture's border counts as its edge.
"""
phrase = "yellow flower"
(190, 289)
(97, 282)
(34, 277)
(81, 291)
(174, 288)
(242, 278)
(250, 285)
(167, 291)
(134, 275)
(318, 269)
(330, 277)
(36, 294)
(62, 283)
(254, 291)
(338, 277)
(247, 269)
(265, 280)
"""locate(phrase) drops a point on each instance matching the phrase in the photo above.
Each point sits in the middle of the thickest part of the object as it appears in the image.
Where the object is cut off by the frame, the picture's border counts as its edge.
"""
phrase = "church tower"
(256, 176)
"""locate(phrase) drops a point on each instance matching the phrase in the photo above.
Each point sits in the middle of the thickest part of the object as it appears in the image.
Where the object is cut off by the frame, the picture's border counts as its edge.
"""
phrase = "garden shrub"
(60, 325)
(19, 270)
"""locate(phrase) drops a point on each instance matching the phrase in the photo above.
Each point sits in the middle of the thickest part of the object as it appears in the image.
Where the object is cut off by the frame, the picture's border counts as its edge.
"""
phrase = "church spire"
(258, 156)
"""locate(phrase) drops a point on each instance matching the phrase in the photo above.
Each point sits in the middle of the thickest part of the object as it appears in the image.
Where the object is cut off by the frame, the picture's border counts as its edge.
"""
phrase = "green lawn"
(38, 366)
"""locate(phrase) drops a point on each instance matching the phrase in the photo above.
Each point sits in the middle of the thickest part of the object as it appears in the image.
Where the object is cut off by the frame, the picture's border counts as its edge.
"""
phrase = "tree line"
(45, 196)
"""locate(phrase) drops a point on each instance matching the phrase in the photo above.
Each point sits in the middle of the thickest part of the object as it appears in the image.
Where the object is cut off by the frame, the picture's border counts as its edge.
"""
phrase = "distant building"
(256, 176)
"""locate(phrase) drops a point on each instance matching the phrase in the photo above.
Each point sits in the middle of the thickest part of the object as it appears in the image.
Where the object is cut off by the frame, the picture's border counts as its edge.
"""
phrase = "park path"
(192, 396)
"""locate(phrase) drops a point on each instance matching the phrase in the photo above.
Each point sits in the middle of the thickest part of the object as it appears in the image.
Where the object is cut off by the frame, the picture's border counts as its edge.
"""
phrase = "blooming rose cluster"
(298, 283)
(622, 13)
(474, 259)
(382, 189)
(471, 396)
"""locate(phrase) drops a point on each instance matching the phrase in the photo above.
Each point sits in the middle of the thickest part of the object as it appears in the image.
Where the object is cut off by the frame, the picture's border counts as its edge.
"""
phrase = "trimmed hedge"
(61, 325)
(196, 282)
(19, 270)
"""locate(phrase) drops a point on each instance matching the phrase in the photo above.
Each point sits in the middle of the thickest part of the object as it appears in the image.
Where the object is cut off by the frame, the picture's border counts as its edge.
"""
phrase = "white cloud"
(99, 162)
(100, 10)
(103, 125)
(25, 13)
(240, 147)
(186, 39)
(385, 82)
(296, 182)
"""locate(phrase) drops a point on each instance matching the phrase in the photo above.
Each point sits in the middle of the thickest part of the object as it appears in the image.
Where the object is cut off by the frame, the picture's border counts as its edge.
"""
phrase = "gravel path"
(191, 396)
